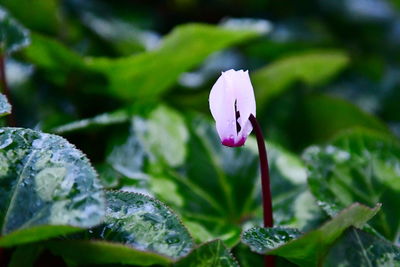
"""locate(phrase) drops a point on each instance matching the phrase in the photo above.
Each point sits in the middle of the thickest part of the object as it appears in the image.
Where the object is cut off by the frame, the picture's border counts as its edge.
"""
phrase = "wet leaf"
(358, 248)
(185, 47)
(82, 252)
(209, 254)
(143, 223)
(5, 107)
(231, 192)
(313, 68)
(12, 35)
(48, 187)
(358, 166)
(262, 240)
(310, 249)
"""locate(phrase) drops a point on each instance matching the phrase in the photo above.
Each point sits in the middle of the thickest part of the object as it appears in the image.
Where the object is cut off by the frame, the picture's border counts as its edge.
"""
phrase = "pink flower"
(231, 103)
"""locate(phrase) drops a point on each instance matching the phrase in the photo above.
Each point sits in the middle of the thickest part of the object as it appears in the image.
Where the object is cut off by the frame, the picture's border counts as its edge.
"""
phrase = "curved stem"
(265, 180)
(269, 261)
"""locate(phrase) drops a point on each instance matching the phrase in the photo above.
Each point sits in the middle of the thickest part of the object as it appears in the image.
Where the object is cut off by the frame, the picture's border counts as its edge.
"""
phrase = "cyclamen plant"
(233, 106)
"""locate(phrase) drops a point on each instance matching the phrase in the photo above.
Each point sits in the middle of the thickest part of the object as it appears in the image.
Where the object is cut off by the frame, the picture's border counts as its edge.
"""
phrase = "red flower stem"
(265, 182)
(5, 89)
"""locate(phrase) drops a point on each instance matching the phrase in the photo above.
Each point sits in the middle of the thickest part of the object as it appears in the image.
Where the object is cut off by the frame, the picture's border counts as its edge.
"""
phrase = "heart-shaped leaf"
(48, 187)
(143, 223)
(358, 166)
(137, 230)
(310, 249)
(358, 248)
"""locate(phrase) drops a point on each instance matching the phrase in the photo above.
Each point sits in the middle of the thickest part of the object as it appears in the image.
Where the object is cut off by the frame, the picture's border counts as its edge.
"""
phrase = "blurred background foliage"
(317, 66)
(127, 82)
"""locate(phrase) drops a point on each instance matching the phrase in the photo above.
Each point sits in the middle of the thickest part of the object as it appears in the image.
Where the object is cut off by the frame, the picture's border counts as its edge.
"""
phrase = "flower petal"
(233, 88)
(246, 103)
(222, 106)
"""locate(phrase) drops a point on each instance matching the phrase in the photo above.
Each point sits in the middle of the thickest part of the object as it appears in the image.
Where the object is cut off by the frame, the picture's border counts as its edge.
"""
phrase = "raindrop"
(173, 239)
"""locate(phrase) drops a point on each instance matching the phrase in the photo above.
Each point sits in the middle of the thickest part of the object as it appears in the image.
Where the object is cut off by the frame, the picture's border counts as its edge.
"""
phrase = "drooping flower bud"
(231, 103)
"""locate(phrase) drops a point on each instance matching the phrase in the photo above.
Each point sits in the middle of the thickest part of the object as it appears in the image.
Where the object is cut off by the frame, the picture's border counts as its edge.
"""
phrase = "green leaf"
(215, 184)
(358, 166)
(41, 15)
(218, 187)
(48, 187)
(246, 257)
(35, 233)
(12, 35)
(170, 146)
(358, 248)
(147, 75)
(210, 254)
(5, 107)
(50, 54)
(229, 196)
(340, 114)
(292, 203)
(158, 137)
(25, 255)
(143, 223)
(106, 119)
(82, 252)
(313, 68)
(262, 240)
(310, 249)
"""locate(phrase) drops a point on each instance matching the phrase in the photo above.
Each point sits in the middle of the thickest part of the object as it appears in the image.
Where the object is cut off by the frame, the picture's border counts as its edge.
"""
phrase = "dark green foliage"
(12, 35)
(127, 82)
(209, 254)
